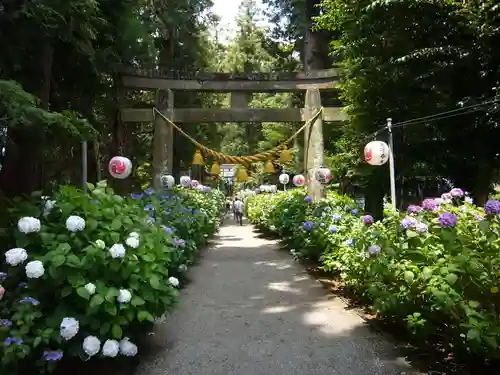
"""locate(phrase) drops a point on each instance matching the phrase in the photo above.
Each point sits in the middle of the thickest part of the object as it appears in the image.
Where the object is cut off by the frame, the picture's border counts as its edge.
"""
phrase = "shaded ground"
(251, 310)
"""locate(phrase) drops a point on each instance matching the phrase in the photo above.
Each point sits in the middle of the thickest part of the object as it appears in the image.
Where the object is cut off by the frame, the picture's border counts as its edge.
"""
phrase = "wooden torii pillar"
(314, 147)
(163, 138)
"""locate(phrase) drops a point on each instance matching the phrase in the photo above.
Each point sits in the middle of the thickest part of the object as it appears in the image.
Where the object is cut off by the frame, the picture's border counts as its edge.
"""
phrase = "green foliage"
(403, 59)
(442, 281)
(98, 258)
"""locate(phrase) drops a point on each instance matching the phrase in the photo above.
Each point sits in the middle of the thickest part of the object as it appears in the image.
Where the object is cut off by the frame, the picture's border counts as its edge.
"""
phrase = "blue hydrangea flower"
(22, 284)
(408, 222)
(30, 300)
(52, 355)
(3, 276)
(355, 211)
(336, 217)
(13, 340)
(5, 323)
(333, 229)
(308, 199)
(136, 196)
(307, 225)
(349, 242)
(149, 191)
(374, 249)
(149, 207)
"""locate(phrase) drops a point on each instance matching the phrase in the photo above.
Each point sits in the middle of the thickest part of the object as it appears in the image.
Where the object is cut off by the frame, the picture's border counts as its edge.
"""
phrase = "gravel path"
(251, 310)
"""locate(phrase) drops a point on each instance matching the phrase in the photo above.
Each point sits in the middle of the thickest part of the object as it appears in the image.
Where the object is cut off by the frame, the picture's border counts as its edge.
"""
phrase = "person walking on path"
(238, 210)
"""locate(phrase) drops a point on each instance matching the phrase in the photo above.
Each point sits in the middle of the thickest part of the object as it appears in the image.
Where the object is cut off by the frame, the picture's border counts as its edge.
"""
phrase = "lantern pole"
(391, 166)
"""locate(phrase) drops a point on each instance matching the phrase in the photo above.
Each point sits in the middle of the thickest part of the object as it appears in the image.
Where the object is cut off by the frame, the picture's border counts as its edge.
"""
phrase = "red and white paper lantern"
(120, 167)
(323, 175)
(377, 153)
(299, 180)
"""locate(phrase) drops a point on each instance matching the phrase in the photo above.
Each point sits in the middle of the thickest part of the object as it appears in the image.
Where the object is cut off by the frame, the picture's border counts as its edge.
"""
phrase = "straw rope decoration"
(261, 156)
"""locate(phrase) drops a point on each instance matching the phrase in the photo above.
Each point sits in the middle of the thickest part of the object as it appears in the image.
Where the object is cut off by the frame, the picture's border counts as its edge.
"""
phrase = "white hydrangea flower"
(29, 224)
(182, 268)
(127, 348)
(100, 244)
(125, 296)
(69, 328)
(90, 288)
(134, 234)
(34, 269)
(133, 242)
(110, 348)
(117, 251)
(91, 345)
(15, 256)
(75, 223)
(173, 281)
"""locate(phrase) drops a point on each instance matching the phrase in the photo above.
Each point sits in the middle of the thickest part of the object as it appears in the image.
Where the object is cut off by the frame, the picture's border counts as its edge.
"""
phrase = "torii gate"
(240, 86)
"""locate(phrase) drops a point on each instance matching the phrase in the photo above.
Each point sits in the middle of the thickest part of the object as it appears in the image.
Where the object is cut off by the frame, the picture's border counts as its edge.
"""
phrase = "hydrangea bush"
(435, 267)
(87, 271)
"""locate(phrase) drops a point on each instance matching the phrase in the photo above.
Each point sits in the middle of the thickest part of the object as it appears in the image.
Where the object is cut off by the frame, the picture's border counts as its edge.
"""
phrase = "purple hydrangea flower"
(374, 249)
(13, 340)
(178, 242)
(52, 355)
(492, 207)
(332, 229)
(429, 204)
(408, 222)
(447, 220)
(421, 228)
(367, 219)
(478, 217)
(30, 300)
(336, 217)
(446, 196)
(5, 323)
(355, 211)
(457, 193)
(414, 209)
(308, 199)
(307, 225)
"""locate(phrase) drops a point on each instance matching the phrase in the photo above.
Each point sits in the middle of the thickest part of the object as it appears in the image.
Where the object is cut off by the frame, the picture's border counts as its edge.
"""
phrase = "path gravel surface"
(251, 310)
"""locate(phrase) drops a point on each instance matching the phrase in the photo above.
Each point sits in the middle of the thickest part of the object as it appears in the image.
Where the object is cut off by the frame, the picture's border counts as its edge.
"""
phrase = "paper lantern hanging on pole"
(198, 158)
(185, 181)
(120, 167)
(299, 180)
(376, 153)
(167, 181)
(323, 175)
(284, 178)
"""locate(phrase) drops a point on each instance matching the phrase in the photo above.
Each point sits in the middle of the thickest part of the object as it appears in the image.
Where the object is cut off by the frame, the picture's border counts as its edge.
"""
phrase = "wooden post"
(313, 145)
(163, 139)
